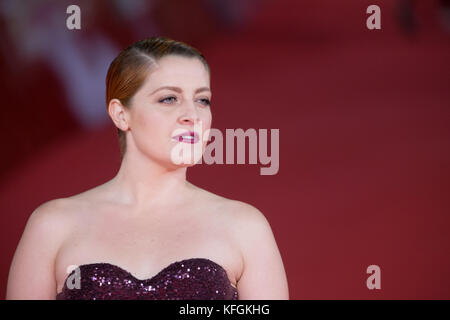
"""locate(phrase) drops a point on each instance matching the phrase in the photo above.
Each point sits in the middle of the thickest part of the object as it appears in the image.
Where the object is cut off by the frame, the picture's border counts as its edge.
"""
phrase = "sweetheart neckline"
(156, 275)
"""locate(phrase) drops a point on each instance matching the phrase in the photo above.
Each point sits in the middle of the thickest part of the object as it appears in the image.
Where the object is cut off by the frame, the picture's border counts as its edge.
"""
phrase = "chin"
(184, 156)
(186, 163)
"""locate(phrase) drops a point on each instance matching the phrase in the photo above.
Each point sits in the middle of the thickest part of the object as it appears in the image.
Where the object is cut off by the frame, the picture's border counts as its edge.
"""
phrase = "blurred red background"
(364, 119)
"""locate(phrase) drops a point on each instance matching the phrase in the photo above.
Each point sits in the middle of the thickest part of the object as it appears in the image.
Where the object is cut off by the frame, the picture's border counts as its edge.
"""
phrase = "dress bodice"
(188, 279)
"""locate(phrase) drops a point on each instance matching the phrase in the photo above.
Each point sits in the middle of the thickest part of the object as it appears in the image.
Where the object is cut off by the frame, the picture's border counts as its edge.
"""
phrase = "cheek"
(151, 128)
(148, 121)
(206, 125)
(206, 120)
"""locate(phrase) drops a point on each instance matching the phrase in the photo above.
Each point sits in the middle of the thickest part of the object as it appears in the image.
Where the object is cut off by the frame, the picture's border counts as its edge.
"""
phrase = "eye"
(168, 100)
(205, 101)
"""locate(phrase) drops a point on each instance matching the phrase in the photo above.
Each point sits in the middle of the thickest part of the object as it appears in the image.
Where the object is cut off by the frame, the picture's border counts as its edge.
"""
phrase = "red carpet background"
(364, 119)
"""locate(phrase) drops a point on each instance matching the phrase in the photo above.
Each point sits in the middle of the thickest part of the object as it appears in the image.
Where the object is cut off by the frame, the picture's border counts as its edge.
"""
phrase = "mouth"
(187, 137)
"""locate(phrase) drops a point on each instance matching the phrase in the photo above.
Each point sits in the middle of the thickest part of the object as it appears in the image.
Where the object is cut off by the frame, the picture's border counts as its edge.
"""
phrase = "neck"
(142, 182)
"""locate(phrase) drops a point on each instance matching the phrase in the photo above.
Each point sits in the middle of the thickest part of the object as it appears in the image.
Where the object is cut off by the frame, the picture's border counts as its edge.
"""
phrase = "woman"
(148, 233)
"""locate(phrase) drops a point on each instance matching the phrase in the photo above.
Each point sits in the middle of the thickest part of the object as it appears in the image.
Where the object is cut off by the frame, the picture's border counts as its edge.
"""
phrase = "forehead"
(177, 71)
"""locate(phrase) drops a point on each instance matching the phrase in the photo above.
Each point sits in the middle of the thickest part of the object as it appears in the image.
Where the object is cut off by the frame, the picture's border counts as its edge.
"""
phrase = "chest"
(144, 248)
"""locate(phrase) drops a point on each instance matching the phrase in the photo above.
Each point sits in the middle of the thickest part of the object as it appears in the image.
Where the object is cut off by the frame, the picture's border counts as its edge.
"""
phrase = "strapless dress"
(188, 279)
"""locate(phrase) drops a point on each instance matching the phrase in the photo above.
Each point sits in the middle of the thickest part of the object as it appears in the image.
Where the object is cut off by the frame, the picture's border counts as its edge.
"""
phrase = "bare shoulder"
(52, 220)
(63, 210)
(251, 231)
(36, 252)
(242, 217)
(242, 214)
(261, 255)
(248, 222)
(51, 214)
(55, 218)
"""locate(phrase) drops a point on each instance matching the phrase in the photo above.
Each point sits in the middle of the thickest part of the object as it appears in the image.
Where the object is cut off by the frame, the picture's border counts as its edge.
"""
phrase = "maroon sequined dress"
(189, 279)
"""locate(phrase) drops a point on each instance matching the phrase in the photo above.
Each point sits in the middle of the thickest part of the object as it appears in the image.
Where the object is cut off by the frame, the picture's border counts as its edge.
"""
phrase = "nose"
(189, 114)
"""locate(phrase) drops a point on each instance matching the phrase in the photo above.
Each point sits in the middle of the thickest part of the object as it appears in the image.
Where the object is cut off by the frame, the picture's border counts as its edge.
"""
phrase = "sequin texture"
(189, 279)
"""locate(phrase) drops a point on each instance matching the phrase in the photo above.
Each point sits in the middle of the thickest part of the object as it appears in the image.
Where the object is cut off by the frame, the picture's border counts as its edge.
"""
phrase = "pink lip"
(180, 138)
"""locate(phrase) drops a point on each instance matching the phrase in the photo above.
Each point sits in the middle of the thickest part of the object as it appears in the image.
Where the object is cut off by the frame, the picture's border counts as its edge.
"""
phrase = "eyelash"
(205, 101)
(164, 99)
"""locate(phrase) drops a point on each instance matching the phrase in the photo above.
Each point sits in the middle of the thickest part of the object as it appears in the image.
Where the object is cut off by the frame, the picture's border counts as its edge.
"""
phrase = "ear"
(118, 114)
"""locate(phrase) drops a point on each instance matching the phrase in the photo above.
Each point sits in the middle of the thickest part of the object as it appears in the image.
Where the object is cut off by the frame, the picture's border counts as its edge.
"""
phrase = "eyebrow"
(179, 90)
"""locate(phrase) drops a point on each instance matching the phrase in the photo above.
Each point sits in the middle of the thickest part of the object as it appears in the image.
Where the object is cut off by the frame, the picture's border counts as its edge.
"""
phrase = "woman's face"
(174, 99)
